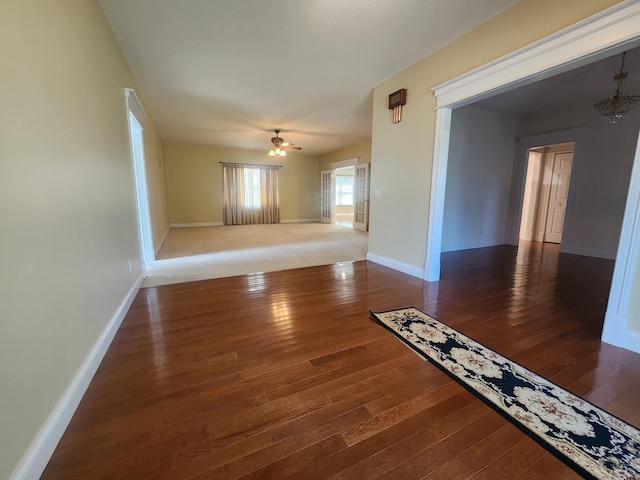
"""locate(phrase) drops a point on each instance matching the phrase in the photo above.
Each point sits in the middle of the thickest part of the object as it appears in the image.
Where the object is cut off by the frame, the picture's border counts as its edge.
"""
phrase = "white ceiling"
(228, 72)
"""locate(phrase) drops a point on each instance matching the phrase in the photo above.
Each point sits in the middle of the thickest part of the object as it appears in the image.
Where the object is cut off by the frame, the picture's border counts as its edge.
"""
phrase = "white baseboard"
(399, 266)
(432, 271)
(220, 224)
(617, 333)
(39, 453)
(205, 224)
(301, 220)
(589, 252)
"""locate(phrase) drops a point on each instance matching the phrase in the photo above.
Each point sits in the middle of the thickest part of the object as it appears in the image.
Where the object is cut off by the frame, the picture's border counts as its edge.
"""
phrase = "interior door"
(558, 194)
(327, 195)
(361, 198)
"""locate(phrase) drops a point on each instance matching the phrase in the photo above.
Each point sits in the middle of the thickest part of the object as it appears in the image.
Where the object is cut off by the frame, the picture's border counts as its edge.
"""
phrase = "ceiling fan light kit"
(279, 146)
(615, 107)
(276, 152)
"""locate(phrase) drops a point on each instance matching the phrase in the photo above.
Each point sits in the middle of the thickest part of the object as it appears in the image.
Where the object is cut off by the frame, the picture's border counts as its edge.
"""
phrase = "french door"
(327, 196)
(361, 198)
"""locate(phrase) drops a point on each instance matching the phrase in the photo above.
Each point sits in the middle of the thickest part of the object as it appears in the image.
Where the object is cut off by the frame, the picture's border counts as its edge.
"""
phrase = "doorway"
(546, 192)
(344, 195)
(345, 183)
(578, 45)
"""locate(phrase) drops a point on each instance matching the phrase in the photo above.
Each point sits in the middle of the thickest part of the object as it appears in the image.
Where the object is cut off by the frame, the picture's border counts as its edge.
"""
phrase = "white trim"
(399, 266)
(619, 337)
(145, 236)
(438, 184)
(203, 224)
(39, 453)
(350, 162)
(552, 138)
(134, 105)
(157, 249)
(301, 220)
(615, 321)
(585, 42)
(608, 32)
(221, 224)
(520, 173)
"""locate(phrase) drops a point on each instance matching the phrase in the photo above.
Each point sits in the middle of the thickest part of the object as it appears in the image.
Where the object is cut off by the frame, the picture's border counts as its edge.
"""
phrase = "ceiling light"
(277, 152)
(615, 107)
(279, 146)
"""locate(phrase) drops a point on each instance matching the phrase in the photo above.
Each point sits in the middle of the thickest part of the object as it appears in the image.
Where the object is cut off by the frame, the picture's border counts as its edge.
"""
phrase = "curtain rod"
(250, 164)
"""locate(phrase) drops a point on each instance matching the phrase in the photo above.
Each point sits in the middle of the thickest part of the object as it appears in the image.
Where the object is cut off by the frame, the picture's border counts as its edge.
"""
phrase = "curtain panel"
(250, 194)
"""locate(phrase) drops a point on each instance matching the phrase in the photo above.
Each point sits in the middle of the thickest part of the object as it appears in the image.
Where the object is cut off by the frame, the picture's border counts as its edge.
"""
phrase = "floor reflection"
(156, 329)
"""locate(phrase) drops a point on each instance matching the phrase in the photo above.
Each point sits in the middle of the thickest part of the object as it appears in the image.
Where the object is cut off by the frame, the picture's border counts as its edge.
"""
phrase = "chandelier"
(615, 107)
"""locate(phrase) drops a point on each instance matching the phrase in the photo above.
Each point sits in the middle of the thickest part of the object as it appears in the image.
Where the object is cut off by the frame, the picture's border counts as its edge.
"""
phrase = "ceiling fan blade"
(278, 142)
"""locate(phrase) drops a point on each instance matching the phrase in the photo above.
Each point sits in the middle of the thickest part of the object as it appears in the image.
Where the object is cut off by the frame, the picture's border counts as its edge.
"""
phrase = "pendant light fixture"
(615, 107)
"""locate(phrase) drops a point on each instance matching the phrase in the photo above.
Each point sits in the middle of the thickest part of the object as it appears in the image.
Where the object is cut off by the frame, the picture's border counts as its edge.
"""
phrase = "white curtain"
(250, 194)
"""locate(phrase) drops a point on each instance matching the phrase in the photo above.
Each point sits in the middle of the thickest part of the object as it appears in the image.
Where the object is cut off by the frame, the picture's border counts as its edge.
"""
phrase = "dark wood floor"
(284, 375)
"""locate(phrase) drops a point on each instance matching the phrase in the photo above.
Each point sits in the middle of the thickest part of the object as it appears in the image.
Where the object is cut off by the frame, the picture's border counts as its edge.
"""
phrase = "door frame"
(525, 144)
(607, 33)
(349, 162)
(550, 165)
(136, 117)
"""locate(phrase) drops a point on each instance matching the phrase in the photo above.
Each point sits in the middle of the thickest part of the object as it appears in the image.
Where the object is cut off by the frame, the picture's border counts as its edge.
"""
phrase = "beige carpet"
(199, 253)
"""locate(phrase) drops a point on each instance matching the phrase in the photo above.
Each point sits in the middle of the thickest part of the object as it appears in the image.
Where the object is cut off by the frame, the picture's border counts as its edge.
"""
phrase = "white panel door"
(558, 196)
(327, 196)
(361, 198)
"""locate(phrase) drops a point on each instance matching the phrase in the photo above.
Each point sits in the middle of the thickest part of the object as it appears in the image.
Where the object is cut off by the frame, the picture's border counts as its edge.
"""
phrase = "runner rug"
(592, 441)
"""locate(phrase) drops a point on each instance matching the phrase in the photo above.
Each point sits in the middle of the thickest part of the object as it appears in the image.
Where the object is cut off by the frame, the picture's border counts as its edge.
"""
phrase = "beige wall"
(155, 164)
(360, 150)
(66, 203)
(402, 153)
(194, 182)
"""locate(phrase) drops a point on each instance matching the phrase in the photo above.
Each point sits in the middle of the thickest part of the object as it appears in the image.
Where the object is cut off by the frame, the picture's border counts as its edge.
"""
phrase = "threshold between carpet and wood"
(200, 253)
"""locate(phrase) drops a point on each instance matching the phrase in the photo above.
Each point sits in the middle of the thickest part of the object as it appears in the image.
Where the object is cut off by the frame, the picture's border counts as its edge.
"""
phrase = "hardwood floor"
(284, 375)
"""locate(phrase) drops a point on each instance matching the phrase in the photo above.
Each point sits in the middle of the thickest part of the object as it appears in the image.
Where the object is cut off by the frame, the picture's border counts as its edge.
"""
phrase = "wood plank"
(284, 374)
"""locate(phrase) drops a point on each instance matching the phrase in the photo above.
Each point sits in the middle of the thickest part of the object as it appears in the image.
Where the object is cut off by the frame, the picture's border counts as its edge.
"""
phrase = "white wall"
(600, 179)
(481, 156)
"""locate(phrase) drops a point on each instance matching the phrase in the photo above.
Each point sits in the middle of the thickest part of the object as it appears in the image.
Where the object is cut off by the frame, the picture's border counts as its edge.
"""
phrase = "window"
(344, 190)
(250, 194)
(251, 188)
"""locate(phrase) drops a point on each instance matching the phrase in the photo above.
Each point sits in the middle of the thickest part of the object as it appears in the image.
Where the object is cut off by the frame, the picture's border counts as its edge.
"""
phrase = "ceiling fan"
(279, 146)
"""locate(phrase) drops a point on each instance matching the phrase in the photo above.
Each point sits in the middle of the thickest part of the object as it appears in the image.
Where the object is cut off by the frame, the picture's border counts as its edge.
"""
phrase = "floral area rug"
(592, 441)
